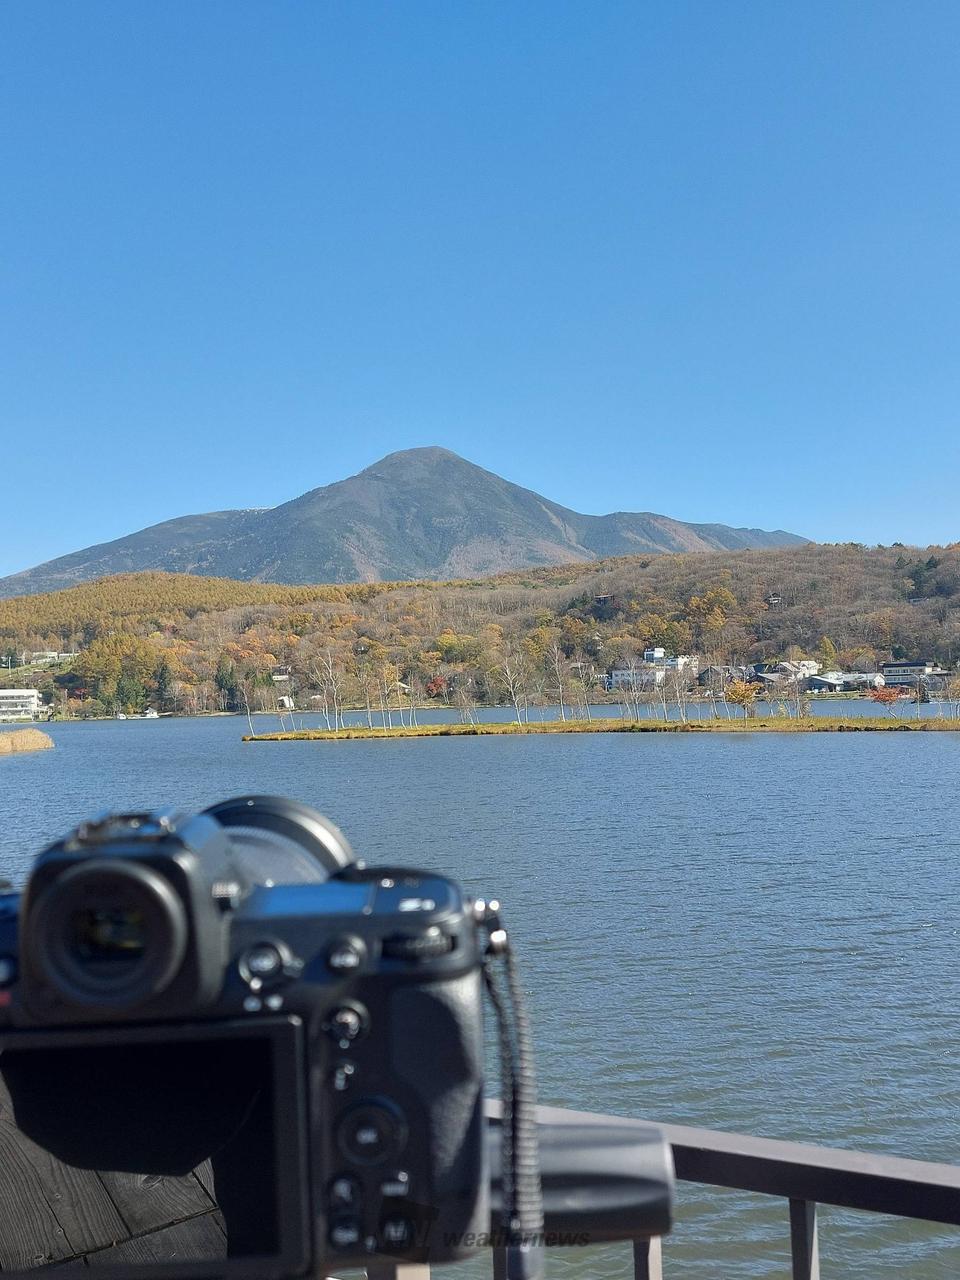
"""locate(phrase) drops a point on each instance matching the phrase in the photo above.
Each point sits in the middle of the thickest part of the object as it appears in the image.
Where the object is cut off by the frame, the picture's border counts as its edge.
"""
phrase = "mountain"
(420, 513)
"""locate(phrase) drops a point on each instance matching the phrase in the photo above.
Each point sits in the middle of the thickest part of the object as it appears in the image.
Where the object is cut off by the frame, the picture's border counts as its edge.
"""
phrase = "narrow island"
(759, 724)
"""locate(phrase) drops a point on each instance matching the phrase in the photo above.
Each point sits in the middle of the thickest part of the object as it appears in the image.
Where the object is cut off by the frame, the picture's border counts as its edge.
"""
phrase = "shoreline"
(765, 724)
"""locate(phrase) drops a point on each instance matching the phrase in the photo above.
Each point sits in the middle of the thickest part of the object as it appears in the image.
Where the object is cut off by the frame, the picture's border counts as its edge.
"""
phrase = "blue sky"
(696, 258)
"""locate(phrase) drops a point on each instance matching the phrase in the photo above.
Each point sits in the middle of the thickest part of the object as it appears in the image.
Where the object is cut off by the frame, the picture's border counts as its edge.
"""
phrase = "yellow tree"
(743, 694)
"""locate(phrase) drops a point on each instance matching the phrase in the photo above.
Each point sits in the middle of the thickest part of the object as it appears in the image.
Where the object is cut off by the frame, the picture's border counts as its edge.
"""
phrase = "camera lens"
(280, 841)
(109, 933)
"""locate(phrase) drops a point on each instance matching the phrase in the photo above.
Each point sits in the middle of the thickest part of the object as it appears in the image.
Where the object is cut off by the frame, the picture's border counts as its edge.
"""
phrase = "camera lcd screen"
(155, 1152)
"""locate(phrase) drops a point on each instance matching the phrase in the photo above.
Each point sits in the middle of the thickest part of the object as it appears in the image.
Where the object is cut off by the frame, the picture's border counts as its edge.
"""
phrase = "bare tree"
(512, 674)
(557, 660)
(329, 680)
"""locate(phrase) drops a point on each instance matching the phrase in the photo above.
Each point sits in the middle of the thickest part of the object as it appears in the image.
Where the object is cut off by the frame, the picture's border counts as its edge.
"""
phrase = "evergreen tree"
(163, 681)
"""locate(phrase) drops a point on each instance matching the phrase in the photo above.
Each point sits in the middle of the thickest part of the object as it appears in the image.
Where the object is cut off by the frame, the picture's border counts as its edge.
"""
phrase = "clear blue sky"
(696, 258)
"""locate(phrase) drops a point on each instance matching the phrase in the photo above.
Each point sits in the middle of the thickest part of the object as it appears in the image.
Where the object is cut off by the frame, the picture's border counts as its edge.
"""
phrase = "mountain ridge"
(416, 513)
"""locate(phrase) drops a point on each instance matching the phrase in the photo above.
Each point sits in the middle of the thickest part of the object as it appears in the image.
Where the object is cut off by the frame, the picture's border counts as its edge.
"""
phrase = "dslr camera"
(229, 1048)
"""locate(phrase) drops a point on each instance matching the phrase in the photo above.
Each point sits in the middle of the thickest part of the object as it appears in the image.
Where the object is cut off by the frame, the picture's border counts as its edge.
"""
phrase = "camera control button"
(342, 1078)
(370, 1133)
(263, 961)
(346, 955)
(397, 1232)
(252, 1004)
(345, 1233)
(348, 1022)
(395, 1187)
(8, 970)
(268, 963)
(344, 1192)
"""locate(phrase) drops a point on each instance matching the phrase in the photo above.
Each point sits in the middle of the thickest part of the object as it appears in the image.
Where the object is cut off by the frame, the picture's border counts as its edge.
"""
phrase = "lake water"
(752, 932)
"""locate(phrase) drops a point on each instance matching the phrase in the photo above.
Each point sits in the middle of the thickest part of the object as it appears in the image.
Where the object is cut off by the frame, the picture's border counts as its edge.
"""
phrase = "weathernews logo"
(415, 1231)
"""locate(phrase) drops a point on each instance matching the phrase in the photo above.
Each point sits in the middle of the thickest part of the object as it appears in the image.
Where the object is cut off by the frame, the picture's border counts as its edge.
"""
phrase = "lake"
(751, 932)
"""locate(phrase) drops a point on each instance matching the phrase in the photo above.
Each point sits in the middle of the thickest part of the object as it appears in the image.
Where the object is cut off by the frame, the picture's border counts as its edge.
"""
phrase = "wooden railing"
(804, 1176)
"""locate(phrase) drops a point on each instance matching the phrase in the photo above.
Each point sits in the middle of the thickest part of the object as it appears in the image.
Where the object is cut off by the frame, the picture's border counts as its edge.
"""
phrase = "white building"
(19, 704)
(908, 675)
(645, 677)
(651, 673)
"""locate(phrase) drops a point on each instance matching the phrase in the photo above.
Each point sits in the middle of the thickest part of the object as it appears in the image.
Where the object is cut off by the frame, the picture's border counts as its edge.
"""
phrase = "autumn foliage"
(188, 643)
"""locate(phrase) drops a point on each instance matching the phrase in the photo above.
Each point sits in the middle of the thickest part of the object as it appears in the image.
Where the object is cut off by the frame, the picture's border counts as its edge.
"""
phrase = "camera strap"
(522, 1211)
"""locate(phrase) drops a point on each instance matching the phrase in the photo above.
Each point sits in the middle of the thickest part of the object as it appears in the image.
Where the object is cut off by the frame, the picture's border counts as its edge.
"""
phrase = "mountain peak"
(419, 458)
(423, 512)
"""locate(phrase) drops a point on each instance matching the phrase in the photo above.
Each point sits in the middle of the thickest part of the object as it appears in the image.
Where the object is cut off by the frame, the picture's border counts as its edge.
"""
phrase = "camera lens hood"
(289, 819)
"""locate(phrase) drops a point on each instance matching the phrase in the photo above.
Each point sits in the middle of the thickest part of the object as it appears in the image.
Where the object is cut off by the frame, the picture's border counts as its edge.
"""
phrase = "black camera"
(227, 1009)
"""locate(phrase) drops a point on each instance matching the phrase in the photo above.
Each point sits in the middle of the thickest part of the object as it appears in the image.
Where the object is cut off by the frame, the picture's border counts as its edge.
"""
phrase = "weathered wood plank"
(147, 1201)
(204, 1175)
(196, 1239)
(48, 1210)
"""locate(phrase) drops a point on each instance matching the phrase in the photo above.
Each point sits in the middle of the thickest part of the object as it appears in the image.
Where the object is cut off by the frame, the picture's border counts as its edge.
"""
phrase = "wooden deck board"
(147, 1201)
(58, 1219)
(48, 1210)
(197, 1238)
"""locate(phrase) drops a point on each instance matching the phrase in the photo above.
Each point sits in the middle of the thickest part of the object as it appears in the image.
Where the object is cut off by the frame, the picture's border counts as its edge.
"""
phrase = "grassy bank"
(24, 740)
(769, 724)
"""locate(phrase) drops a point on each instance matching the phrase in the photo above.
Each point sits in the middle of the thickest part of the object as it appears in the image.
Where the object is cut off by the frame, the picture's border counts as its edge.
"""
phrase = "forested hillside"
(190, 643)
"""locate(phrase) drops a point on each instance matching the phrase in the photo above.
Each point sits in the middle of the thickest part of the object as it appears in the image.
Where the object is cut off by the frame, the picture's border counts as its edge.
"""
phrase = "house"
(846, 681)
(645, 676)
(651, 673)
(657, 657)
(910, 674)
(20, 704)
(45, 657)
(717, 677)
(788, 670)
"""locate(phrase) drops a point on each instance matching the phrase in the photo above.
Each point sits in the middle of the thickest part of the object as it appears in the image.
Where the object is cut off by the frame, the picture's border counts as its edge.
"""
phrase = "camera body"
(143, 924)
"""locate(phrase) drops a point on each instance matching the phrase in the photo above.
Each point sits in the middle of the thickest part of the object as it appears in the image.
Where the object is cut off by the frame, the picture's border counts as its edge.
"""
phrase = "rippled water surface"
(754, 932)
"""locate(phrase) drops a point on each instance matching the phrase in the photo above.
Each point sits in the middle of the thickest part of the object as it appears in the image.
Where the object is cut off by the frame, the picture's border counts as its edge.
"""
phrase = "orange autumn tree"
(886, 698)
